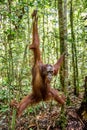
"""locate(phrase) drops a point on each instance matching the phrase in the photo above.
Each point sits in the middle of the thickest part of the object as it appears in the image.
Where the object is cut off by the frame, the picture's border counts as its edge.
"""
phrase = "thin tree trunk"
(74, 55)
(48, 37)
(43, 36)
(61, 36)
(10, 48)
(65, 44)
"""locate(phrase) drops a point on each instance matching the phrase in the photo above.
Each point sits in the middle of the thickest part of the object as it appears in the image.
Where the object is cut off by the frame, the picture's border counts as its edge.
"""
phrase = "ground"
(47, 117)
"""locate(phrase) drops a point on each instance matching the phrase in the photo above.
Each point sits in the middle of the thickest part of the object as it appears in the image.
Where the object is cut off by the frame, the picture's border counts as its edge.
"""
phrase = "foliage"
(16, 35)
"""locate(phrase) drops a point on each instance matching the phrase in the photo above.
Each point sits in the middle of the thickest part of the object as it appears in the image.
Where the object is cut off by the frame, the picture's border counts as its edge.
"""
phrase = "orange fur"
(41, 90)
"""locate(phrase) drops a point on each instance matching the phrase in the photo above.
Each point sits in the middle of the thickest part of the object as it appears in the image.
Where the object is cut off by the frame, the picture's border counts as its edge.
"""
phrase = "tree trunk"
(62, 12)
(61, 36)
(65, 44)
(63, 48)
(82, 111)
(74, 55)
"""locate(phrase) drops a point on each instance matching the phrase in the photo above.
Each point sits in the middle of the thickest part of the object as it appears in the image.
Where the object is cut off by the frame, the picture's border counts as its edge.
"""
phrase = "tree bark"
(62, 12)
(82, 111)
(74, 54)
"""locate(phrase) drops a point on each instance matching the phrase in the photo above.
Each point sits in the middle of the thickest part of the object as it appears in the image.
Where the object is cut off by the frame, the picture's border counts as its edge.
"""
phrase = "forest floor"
(48, 118)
